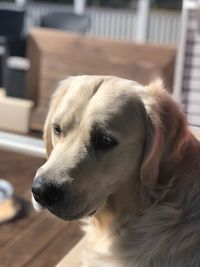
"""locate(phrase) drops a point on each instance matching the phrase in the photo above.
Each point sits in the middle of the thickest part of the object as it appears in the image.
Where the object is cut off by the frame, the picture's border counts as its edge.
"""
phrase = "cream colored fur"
(120, 184)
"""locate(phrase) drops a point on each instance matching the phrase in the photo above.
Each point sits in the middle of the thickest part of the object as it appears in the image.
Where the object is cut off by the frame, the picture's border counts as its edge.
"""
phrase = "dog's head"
(101, 133)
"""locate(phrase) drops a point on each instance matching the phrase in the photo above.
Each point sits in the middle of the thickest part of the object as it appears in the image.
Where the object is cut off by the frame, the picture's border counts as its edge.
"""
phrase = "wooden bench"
(54, 55)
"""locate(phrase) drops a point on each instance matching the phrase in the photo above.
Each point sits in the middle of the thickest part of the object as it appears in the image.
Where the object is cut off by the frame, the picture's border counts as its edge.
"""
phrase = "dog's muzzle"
(64, 199)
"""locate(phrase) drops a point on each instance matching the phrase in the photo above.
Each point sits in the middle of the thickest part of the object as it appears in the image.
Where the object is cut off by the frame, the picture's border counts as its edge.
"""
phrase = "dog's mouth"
(92, 213)
(71, 214)
(63, 213)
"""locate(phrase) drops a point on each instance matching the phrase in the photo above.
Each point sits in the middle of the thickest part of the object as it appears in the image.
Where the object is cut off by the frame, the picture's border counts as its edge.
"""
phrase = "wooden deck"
(35, 239)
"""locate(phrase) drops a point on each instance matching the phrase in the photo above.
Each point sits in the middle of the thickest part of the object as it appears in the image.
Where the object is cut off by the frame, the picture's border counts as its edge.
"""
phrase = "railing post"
(143, 20)
(179, 67)
(79, 6)
(21, 3)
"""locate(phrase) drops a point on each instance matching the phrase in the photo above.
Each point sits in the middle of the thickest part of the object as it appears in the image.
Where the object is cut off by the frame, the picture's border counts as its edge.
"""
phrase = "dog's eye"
(102, 141)
(57, 130)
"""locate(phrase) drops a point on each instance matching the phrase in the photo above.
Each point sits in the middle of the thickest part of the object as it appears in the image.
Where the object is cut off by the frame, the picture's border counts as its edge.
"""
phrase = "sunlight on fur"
(121, 157)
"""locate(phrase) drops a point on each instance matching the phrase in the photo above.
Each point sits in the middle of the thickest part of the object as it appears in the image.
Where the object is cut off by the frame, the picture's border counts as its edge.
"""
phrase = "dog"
(121, 155)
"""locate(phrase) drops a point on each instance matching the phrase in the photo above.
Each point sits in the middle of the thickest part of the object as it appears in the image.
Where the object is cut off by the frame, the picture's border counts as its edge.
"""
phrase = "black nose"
(46, 192)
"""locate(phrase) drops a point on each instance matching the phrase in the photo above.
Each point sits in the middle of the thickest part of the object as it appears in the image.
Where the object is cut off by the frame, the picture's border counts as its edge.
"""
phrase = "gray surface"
(21, 144)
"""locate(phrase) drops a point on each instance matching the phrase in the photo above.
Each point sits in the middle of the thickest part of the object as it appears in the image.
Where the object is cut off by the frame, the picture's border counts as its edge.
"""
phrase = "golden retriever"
(120, 154)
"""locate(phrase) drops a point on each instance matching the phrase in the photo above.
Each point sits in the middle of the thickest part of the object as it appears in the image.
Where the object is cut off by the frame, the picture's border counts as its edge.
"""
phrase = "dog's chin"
(61, 212)
(71, 214)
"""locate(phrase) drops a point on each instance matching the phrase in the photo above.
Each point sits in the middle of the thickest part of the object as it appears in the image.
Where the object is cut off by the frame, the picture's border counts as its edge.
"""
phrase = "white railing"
(37, 10)
(164, 27)
(111, 23)
(22, 144)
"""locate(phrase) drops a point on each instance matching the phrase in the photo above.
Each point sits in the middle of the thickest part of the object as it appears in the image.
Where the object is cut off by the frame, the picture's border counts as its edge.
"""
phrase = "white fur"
(36, 205)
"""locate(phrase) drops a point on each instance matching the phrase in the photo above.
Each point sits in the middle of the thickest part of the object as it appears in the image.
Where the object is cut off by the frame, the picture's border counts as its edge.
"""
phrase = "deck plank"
(35, 239)
(31, 241)
(48, 256)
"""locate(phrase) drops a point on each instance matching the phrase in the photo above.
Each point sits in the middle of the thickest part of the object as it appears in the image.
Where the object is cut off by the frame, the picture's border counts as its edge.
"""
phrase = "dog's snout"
(45, 192)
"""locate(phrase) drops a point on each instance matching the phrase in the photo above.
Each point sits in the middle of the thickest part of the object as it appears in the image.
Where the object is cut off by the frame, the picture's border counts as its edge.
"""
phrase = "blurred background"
(42, 43)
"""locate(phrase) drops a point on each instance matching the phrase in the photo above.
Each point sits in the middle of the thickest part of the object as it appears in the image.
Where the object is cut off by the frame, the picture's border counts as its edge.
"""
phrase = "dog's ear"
(166, 132)
(55, 100)
(153, 148)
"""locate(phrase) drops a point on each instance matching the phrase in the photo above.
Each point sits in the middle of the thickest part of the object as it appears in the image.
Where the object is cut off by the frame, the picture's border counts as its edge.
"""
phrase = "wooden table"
(35, 239)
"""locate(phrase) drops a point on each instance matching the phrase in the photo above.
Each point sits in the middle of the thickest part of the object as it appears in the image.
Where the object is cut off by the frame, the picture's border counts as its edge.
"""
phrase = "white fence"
(111, 23)
(164, 27)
